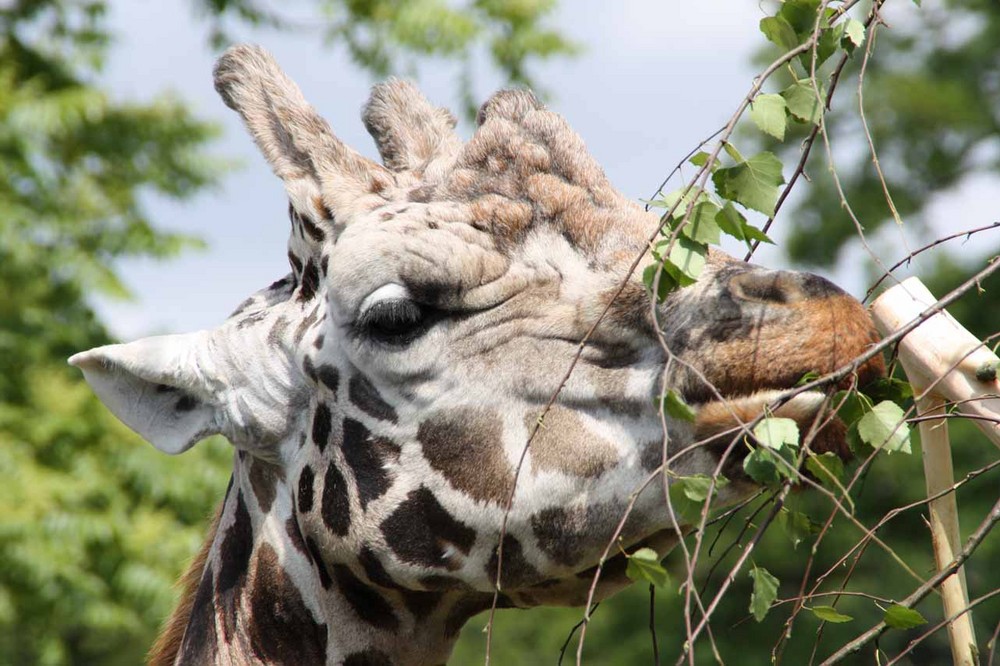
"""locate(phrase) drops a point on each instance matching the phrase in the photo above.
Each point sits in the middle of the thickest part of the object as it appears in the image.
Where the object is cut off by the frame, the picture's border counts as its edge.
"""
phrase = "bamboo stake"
(944, 363)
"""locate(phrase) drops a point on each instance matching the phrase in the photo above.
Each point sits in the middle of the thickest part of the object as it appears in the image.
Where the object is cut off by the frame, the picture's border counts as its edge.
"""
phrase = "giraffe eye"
(396, 321)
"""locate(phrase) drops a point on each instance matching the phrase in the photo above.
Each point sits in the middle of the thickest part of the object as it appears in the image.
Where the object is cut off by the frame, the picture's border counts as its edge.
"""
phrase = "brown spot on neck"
(264, 479)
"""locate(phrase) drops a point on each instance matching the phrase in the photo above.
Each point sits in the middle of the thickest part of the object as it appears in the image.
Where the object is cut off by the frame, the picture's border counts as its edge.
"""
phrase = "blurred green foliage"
(94, 527)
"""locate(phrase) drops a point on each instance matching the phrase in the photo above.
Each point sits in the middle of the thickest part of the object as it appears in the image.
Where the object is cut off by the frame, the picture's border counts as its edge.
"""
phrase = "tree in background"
(95, 525)
(93, 528)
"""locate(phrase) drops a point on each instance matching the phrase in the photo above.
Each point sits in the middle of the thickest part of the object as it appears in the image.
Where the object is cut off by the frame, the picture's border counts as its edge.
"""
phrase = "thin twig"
(909, 257)
(948, 620)
(652, 624)
(970, 547)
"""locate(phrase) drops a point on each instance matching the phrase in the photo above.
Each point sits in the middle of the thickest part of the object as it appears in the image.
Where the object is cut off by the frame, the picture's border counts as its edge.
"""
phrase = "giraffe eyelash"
(395, 321)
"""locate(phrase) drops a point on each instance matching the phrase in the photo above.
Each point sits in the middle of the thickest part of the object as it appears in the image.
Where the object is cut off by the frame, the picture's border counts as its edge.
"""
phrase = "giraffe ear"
(157, 387)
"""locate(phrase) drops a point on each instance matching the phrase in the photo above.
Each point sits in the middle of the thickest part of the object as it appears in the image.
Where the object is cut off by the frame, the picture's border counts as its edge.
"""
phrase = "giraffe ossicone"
(379, 396)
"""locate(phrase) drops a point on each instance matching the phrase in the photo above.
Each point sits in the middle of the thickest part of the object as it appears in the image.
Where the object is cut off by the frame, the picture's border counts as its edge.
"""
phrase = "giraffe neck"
(266, 596)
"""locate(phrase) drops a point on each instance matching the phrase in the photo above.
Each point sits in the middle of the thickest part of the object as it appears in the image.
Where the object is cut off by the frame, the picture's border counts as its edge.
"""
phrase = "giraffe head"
(381, 395)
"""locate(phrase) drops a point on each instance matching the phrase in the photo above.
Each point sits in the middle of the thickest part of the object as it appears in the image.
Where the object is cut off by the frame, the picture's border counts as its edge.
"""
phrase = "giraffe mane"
(168, 643)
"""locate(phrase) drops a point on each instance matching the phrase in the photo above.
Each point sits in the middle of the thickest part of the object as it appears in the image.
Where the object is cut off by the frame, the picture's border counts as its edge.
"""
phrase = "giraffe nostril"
(815, 286)
(780, 287)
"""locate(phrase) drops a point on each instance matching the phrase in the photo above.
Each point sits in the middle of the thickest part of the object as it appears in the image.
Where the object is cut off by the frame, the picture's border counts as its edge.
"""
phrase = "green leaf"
(753, 183)
(768, 112)
(731, 221)
(829, 42)
(854, 34)
(754, 234)
(682, 197)
(884, 428)
(688, 494)
(802, 102)
(797, 526)
(852, 405)
(701, 226)
(828, 469)
(854, 441)
(765, 591)
(901, 617)
(644, 565)
(776, 432)
(806, 378)
(889, 388)
(801, 15)
(700, 159)
(686, 260)
(676, 407)
(696, 487)
(664, 286)
(762, 465)
(830, 614)
(732, 152)
(779, 32)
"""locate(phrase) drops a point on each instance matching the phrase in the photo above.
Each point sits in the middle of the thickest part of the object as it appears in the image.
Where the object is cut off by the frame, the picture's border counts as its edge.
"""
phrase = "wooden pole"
(945, 364)
(942, 356)
(945, 538)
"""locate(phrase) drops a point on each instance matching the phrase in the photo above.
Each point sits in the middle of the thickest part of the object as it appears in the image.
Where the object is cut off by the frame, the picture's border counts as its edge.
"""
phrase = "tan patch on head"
(465, 445)
(817, 335)
(502, 216)
(564, 444)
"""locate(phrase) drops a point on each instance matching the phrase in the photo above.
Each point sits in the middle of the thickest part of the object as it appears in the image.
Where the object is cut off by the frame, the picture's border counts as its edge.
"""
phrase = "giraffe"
(378, 398)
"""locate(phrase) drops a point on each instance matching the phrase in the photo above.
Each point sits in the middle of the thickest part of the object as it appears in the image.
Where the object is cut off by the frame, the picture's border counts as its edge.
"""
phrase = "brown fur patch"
(465, 446)
(818, 335)
(168, 643)
(503, 217)
(564, 444)
(422, 532)
(516, 570)
(279, 627)
(264, 480)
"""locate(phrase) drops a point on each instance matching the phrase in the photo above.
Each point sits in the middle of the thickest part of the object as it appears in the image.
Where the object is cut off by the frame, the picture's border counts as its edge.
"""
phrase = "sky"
(655, 77)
